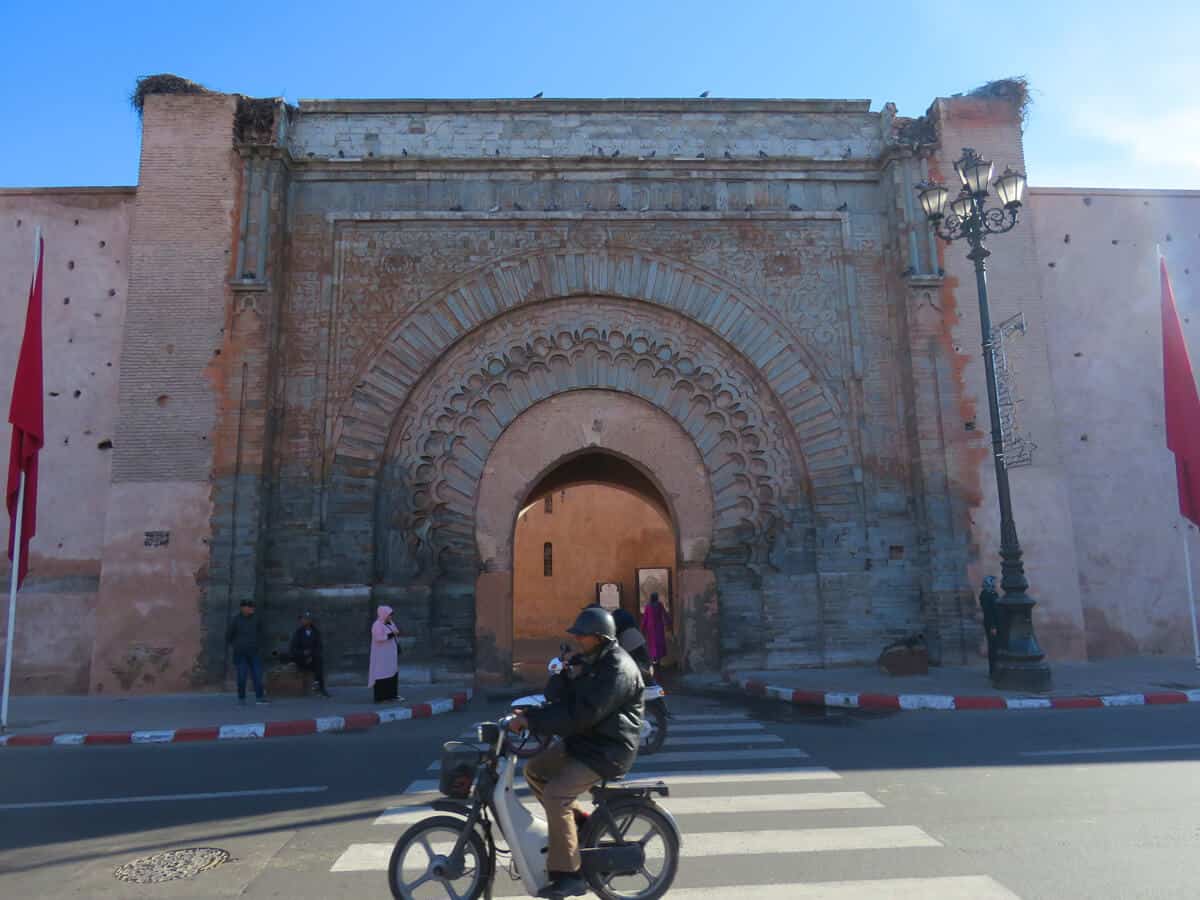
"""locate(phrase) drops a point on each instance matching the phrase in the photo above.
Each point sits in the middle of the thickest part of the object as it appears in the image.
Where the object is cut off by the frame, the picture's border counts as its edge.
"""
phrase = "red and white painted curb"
(840, 700)
(247, 731)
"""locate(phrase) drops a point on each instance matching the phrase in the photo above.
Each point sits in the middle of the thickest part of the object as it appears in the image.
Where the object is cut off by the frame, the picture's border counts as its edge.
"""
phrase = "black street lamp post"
(1020, 663)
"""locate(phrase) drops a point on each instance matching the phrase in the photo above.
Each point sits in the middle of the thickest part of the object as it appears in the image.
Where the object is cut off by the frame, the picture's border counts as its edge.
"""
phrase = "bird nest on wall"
(162, 84)
(1014, 90)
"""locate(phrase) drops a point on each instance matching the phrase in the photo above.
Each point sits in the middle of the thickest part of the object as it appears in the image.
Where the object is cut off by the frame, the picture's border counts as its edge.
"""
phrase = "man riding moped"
(595, 705)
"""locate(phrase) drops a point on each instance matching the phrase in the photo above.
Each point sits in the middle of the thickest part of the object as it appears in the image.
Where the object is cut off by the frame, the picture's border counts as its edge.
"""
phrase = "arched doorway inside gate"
(548, 445)
(593, 528)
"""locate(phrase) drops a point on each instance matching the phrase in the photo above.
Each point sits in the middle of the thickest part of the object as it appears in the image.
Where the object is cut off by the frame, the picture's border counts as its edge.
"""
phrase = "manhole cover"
(171, 865)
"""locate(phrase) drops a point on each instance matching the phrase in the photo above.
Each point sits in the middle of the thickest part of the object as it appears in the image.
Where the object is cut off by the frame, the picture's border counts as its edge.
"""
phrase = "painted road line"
(1099, 751)
(735, 776)
(687, 806)
(375, 857)
(686, 756)
(164, 798)
(695, 740)
(703, 776)
(409, 813)
(806, 840)
(711, 717)
(965, 887)
(747, 725)
(363, 858)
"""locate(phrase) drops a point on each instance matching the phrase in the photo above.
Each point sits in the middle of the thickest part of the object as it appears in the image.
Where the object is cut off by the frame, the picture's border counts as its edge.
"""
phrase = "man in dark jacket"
(991, 620)
(305, 651)
(246, 638)
(596, 706)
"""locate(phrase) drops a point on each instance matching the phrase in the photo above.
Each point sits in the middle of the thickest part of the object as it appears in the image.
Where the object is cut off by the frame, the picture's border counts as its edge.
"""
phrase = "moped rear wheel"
(417, 870)
(644, 823)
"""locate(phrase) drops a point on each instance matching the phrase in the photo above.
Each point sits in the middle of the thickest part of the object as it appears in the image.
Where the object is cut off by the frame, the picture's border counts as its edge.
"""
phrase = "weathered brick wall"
(578, 130)
(173, 386)
(86, 231)
(394, 202)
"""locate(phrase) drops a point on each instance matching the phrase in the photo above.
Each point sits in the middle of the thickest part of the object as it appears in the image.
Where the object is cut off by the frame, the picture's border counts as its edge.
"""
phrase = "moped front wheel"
(420, 867)
(644, 823)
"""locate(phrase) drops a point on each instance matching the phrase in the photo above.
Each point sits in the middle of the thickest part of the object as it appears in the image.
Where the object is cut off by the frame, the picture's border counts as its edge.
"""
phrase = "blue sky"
(1116, 84)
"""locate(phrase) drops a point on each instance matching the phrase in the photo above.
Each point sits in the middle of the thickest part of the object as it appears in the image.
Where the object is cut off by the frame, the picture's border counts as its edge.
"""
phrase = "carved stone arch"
(439, 444)
(401, 357)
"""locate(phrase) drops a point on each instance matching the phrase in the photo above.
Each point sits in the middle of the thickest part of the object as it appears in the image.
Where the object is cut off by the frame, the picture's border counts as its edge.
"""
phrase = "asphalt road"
(976, 806)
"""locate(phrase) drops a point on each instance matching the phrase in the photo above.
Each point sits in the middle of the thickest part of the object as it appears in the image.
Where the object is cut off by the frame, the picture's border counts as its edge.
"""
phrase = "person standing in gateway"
(655, 622)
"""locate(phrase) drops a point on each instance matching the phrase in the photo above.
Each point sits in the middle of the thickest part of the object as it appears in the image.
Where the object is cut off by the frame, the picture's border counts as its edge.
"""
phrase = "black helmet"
(594, 620)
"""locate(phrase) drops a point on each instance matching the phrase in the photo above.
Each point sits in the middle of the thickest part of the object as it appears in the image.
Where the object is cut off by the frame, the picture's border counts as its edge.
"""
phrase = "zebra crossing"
(744, 801)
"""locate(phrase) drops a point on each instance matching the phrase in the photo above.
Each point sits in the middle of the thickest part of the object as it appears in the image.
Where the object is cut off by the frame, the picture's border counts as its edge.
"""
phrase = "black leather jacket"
(598, 712)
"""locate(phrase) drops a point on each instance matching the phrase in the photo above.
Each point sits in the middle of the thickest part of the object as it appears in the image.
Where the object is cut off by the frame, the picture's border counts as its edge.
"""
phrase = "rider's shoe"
(569, 885)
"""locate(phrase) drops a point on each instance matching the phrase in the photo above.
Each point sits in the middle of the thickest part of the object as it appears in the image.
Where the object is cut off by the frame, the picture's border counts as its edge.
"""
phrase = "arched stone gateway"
(419, 429)
(440, 442)
(554, 431)
(702, 300)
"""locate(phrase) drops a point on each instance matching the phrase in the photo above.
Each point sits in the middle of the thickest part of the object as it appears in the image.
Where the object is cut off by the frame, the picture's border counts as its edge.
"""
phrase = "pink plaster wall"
(1042, 509)
(86, 231)
(1099, 277)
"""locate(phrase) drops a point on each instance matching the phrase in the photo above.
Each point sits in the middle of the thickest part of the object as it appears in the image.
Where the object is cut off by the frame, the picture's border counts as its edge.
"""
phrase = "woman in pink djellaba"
(384, 675)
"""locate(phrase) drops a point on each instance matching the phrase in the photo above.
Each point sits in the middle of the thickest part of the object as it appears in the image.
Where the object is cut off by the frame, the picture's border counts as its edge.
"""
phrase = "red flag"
(1182, 404)
(28, 429)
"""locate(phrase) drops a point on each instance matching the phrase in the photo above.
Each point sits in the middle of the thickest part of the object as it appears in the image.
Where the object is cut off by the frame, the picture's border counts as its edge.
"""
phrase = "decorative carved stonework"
(443, 438)
(387, 270)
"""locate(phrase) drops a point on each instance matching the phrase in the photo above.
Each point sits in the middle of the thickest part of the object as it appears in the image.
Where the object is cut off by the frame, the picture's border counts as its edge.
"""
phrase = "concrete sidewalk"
(203, 712)
(1132, 681)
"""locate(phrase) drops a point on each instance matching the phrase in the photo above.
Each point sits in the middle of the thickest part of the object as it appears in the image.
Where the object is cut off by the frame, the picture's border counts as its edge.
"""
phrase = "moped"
(654, 723)
(629, 845)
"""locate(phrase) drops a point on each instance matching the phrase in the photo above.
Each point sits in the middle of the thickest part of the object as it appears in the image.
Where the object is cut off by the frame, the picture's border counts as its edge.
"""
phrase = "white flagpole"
(1187, 547)
(1187, 557)
(11, 633)
(11, 637)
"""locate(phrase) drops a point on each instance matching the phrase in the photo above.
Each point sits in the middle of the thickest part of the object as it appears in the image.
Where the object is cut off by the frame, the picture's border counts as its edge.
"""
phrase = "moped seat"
(642, 790)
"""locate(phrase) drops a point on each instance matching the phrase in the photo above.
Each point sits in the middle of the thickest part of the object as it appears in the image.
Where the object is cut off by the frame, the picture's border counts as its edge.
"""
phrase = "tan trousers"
(557, 780)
